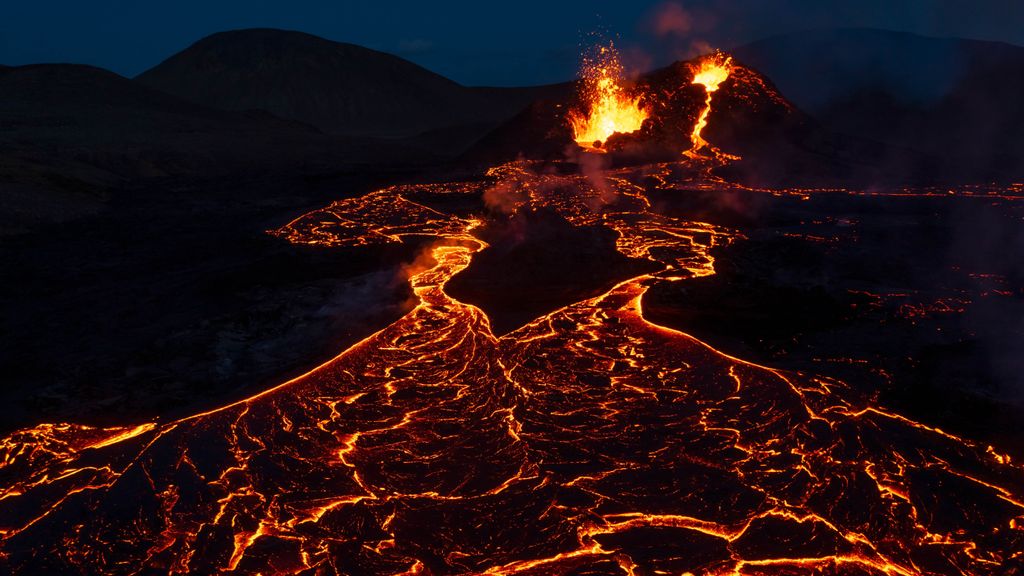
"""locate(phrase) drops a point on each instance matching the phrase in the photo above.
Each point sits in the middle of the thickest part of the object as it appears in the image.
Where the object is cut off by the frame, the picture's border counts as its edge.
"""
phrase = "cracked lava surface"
(589, 441)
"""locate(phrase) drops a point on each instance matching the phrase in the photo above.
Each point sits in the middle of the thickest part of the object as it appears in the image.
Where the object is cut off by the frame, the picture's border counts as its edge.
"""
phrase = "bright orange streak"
(713, 71)
(127, 434)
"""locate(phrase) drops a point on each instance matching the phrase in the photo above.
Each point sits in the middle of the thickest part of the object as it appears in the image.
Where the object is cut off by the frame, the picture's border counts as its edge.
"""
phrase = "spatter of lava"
(609, 107)
(590, 441)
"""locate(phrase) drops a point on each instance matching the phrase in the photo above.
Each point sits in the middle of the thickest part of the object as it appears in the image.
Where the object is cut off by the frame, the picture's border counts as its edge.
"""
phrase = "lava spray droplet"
(610, 108)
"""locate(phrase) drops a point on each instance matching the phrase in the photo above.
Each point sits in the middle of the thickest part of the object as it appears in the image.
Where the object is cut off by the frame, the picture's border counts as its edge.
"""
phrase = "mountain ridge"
(953, 99)
(339, 87)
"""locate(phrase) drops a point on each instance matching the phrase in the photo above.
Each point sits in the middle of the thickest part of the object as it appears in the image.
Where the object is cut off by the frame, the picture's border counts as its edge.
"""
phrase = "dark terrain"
(140, 278)
(954, 101)
(339, 88)
(160, 306)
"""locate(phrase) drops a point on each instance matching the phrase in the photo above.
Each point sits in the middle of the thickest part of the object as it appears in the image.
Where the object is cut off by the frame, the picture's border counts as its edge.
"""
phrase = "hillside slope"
(339, 88)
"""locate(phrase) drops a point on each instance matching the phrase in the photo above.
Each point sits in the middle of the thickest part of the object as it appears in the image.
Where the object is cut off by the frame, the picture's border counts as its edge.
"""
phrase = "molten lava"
(713, 70)
(611, 109)
(589, 441)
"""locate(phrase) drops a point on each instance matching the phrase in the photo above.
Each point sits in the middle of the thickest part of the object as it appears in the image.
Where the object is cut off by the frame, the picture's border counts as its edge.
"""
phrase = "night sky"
(476, 43)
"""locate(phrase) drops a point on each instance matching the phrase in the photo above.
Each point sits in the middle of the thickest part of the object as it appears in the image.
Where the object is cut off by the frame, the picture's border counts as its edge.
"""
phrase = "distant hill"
(953, 99)
(71, 134)
(339, 88)
(814, 68)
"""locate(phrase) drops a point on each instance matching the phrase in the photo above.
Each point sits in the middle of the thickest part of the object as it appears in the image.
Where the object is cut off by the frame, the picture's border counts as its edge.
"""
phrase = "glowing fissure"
(571, 441)
(610, 109)
(710, 73)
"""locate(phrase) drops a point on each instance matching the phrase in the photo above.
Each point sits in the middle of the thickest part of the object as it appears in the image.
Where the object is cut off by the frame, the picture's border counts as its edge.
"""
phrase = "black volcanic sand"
(916, 298)
(538, 262)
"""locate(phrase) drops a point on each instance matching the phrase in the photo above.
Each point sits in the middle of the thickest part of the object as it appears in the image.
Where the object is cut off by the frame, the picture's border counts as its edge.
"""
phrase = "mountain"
(954, 100)
(815, 68)
(70, 135)
(339, 88)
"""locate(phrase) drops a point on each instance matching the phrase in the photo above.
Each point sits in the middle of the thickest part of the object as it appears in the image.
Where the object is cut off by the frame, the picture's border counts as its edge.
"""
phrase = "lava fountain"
(610, 108)
(712, 71)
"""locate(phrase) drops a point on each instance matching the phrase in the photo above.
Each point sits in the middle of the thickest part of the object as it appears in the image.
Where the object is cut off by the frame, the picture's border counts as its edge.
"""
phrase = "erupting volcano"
(589, 439)
(609, 107)
(693, 109)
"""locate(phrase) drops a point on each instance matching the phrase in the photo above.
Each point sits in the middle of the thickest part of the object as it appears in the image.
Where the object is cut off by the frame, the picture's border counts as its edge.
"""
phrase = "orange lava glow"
(610, 108)
(588, 441)
(710, 73)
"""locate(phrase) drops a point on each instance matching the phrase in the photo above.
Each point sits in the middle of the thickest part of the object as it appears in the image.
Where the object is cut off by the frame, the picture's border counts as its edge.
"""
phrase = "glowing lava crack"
(711, 71)
(588, 441)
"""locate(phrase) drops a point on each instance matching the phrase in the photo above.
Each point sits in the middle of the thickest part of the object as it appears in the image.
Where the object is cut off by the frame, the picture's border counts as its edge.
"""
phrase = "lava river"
(589, 441)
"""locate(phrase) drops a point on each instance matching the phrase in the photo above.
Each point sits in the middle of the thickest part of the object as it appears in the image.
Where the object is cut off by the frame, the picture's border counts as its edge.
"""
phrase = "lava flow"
(611, 109)
(710, 73)
(589, 441)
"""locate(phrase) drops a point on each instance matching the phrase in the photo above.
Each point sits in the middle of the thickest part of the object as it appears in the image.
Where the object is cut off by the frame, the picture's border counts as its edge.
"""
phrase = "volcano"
(775, 143)
(747, 113)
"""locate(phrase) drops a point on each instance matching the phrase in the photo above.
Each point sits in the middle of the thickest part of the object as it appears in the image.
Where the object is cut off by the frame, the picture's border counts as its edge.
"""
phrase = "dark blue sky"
(478, 42)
